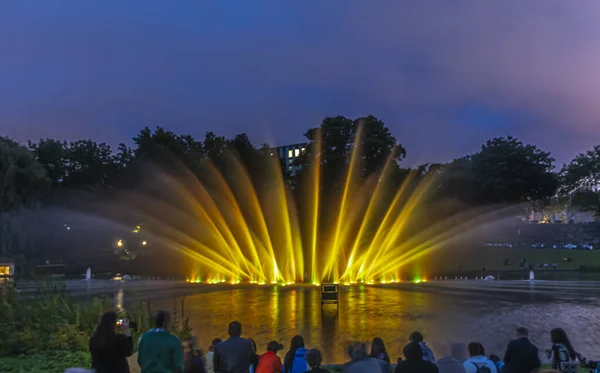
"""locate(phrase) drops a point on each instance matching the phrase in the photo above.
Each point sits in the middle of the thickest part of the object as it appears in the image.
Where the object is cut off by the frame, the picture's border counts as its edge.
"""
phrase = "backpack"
(481, 368)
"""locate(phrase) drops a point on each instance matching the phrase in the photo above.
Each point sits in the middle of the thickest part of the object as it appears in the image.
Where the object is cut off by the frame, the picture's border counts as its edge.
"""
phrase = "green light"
(417, 281)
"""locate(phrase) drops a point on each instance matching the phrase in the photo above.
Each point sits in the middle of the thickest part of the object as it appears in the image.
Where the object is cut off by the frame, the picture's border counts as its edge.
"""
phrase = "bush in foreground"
(52, 320)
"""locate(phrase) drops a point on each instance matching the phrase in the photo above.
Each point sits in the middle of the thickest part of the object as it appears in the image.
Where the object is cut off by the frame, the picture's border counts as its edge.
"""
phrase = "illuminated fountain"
(236, 229)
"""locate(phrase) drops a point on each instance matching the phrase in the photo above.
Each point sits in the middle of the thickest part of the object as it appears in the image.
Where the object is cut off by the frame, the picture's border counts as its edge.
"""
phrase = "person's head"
(190, 344)
(458, 351)
(314, 358)
(413, 351)
(274, 346)
(215, 342)
(377, 347)
(522, 332)
(557, 336)
(297, 342)
(253, 344)
(162, 320)
(105, 330)
(475, 349)
(235, 329)
(357, 351)
(416, 337)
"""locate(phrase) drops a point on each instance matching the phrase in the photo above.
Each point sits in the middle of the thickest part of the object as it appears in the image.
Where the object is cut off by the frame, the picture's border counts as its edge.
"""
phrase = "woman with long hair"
(295, 359)
(108, 348)
(378, 350)
(562, 352)
(253, 356)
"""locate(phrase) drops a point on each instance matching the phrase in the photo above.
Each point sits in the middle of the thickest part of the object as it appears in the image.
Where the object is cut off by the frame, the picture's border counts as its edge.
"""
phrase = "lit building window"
(290, 168)
(290, 153)
(303, 150)
(297, 152)
(291, 161)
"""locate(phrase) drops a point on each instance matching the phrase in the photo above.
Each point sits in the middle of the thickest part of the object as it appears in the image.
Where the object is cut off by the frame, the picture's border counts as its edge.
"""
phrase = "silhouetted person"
(159, 350)
(210, 356)
(295, 358)
(360, 362)
(521, 355)
(414, 362)
(108, 348)
(562, 355)
(427, 353)
(193, 360)
(378, 350)
(314, 358)
(233, 355)
(449, 362)
(253, 356)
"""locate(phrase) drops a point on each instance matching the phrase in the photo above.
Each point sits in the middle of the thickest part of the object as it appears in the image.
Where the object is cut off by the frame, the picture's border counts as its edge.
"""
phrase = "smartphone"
(132, 325)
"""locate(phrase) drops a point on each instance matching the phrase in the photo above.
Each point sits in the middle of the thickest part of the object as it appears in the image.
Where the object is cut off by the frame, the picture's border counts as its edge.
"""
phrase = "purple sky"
(443, 75)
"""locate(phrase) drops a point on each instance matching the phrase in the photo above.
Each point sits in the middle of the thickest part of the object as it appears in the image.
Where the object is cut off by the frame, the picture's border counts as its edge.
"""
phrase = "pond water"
(444, 311)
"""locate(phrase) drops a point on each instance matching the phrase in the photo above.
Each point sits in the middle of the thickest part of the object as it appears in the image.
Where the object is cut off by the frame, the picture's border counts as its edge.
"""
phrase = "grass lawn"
(493, 258)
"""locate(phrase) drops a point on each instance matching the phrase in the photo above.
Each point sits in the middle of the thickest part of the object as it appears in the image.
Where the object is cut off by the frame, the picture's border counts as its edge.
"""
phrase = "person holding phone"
(110, 349)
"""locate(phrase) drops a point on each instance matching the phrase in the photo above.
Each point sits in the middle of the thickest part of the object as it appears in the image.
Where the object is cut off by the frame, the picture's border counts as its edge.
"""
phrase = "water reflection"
(442, 313)
(119, 300)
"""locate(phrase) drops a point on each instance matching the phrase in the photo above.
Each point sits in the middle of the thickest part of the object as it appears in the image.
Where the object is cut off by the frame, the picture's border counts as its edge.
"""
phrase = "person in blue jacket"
(295, 359)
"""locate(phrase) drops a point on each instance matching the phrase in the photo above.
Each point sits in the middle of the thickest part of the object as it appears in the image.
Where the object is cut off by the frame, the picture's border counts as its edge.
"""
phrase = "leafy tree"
(53, 155)
(124, 157)
(582, 173)
(338, 136)
(504, 171)
(89, 164)
(585, 200)
(22, 179)
(160, 146)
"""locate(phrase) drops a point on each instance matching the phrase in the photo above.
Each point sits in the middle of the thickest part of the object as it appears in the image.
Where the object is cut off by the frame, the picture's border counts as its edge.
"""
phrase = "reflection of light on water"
(119, 299)
(293, 310)
(275, 313)
(461, 312)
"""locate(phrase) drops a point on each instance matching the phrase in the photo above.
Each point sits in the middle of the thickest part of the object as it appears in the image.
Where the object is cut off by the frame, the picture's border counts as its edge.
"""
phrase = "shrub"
(52, 320)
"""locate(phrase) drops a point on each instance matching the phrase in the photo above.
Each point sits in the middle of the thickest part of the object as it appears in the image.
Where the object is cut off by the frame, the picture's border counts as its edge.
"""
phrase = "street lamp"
(144, 243)
(120, 243)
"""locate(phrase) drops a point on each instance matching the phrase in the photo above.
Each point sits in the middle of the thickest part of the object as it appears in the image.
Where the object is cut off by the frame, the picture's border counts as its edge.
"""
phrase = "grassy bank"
(493, 258)
(45, 362)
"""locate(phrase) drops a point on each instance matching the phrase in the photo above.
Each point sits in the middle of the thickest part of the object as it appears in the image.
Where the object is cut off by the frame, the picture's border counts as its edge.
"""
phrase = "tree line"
(503, 171)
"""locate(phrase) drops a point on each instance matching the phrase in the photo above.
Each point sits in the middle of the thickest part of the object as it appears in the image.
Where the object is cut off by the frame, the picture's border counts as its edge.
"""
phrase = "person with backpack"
(562, 355)
(478, 363)
(295, 359)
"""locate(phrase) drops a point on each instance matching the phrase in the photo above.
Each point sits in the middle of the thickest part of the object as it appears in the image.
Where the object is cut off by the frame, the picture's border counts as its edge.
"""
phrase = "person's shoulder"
(172, 338)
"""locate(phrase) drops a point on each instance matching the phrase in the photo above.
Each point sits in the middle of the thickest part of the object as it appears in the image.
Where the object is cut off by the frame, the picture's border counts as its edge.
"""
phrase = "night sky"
(443, 75)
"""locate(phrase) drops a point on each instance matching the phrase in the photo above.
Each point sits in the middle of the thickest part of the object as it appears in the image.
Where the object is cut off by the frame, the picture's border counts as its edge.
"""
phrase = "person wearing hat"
(269, 362)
